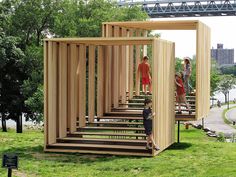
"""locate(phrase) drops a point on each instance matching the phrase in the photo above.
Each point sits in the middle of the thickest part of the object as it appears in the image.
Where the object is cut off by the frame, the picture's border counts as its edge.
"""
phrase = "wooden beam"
(62, 114)
(100, 82)
(137, 61)
(46, 48)
(73, 87)
(91, 100)
(52, 92)
(82, 85)
(131, 68)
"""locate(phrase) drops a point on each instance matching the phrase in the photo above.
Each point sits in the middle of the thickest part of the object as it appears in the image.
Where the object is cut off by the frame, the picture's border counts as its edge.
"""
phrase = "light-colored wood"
(100, 82)
(145, 33)
(116, 71)
(62, 109)
(52, 92)
(45, 53)
(91, 100)
(202, 53)
(163, 93)
(73, 87)
(158, 25)
(137, 61)
(98, 152)
(82, 85)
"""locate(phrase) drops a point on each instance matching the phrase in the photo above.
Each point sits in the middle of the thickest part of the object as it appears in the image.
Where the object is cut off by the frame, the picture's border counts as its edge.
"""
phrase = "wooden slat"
(62, 90)
(91, 100)
(137, 61)
(115, 79)
(52, 92)
(100, 82)
(123, 78)
(112, 128)
(82, 84)
(131, 68)
(73, 87)
(45, 94)
(110, 134)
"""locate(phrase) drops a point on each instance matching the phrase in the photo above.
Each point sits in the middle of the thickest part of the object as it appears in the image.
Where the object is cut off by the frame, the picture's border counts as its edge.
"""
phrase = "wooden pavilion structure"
(200, 102)
(89, 103)
(66, 126)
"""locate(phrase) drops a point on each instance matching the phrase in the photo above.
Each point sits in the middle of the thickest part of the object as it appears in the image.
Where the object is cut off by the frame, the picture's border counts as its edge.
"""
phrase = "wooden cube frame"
(65, 82)
(203, 58)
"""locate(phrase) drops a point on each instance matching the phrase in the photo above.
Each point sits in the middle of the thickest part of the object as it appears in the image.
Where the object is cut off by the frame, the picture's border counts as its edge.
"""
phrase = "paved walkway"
(216, 123)
(231, 115)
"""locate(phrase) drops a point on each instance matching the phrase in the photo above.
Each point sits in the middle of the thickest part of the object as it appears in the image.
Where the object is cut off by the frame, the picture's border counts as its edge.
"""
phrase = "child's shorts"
(146, 81)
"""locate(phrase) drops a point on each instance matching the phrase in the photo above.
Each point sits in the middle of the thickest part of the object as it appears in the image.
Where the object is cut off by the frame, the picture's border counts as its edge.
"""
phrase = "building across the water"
(223, 56)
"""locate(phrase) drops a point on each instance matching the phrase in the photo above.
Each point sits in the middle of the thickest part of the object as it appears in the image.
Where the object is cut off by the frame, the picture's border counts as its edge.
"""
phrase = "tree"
(227, 82)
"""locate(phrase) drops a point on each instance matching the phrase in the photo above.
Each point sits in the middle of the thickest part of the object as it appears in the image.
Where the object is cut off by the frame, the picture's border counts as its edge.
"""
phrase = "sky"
(223, 30)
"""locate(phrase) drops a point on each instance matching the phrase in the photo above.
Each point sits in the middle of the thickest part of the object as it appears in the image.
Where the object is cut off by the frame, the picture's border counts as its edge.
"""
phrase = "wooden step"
(75, 134)
(110, 128)
(127, 109)
(113, 152)
(184, 117)
(185, 110)
(133, 142)
(131, 104)
(113, 123)
(122, 117)
(126, 114)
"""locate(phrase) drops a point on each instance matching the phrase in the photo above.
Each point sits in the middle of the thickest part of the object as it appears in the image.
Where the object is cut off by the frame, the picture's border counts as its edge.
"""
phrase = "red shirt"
(144, 68)
(180, 90)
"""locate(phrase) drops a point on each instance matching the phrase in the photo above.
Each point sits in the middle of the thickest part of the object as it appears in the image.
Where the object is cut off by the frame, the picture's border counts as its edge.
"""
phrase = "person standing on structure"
(144, 69)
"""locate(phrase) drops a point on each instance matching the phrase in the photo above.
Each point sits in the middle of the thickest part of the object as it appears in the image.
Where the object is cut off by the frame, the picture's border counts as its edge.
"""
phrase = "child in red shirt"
(144, 68)
(181, 95)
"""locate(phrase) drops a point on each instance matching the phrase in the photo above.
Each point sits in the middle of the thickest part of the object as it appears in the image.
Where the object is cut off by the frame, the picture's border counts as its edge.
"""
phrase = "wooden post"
(73, 87)
(100, 82)
(45, 47)
(52, 92)
(82, 85)
(62, 90)
(137, 83)
(91, 100)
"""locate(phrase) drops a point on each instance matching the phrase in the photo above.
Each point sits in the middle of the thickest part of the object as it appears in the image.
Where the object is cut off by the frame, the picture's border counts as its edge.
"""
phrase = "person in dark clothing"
(147, 122)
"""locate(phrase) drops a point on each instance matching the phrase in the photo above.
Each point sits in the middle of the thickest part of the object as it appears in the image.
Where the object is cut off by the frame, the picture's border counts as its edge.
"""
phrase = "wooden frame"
(202, 55)
(65, 84)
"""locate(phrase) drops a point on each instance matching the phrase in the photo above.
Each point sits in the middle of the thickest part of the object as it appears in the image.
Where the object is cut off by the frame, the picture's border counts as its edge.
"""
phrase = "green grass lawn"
(197, 155)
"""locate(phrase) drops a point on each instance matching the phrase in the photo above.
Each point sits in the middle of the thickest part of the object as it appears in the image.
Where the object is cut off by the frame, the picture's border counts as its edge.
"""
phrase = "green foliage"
(228, 70)
(197, 155)
(23, 25)
(221, 137)
(215, 77)
(35, 104)
(227, 82)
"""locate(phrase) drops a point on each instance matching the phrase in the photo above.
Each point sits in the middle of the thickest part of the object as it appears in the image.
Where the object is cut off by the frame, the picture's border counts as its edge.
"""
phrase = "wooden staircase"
(119, 132)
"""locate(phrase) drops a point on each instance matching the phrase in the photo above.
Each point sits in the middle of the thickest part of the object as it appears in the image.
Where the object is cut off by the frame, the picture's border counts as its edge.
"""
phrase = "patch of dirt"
(22, 174)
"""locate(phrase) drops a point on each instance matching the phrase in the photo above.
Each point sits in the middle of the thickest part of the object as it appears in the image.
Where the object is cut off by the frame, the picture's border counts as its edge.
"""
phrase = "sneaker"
(156, 148)
(148, 147)
(179, 112)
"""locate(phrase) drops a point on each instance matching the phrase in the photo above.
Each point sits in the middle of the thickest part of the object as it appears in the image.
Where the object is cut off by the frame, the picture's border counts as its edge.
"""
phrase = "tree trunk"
(19, 124)
(4, 125)
(225, 98)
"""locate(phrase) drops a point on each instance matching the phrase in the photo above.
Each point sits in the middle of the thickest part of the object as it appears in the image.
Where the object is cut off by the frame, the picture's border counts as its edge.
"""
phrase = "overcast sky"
(223, 30)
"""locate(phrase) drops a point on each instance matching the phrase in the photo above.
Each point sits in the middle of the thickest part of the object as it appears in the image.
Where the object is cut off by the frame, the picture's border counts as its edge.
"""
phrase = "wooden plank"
(82, 85)
(131, 67)
(137, 61)
(100, 82)
(145, 46)
(158, 25)
(52, 92)
(62, 114)
(45, 93)
(91, 100)
(123, 79)
(115, 79)
(72, 87)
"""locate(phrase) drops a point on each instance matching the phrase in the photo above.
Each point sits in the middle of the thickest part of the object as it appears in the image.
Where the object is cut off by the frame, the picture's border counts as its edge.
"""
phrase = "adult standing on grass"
(147, 122)
(144, 69)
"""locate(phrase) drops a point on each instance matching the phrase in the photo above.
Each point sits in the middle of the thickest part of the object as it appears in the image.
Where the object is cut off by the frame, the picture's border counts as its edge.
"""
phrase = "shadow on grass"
(179, 146)
(37, 153)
